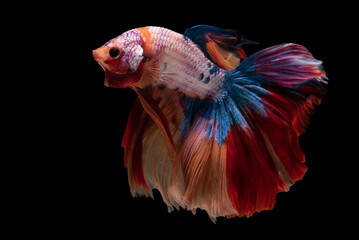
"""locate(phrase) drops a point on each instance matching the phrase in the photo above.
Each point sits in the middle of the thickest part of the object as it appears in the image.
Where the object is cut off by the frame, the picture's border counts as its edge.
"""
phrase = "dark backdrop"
(100, 197)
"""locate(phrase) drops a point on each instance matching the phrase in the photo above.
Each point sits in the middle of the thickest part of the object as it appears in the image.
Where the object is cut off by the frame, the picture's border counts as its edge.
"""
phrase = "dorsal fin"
(224, 47)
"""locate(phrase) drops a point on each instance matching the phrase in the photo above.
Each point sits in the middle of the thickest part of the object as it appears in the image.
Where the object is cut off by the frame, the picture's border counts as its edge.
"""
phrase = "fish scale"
(185, 63)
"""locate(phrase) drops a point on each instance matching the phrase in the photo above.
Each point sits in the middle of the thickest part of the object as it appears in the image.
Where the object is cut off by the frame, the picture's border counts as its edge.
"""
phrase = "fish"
(213, 128)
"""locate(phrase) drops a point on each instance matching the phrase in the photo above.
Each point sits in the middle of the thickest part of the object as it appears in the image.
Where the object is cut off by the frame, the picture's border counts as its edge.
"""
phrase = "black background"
(98, 198)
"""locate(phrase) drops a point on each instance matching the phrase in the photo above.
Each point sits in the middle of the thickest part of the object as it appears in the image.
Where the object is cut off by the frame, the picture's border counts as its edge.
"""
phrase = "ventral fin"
(133, 146)
(151, 107)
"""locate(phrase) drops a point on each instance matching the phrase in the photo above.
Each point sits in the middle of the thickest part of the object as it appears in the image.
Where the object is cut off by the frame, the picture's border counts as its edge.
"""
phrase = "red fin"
(265, 160)
(137, 168)
(252, 179)
(132, 123)
(149, 144)
(268, 159)
(152, 108)
(288, 116)
(132, 143)
(295, 106)
(285, 144)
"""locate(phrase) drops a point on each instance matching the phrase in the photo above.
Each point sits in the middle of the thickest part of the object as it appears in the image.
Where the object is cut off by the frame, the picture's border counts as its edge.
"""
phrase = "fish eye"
(115, 52)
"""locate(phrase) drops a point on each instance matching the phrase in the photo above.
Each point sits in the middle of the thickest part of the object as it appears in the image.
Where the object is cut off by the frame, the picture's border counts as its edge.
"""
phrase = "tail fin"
(286, 79)
(274, 92)
(286, 65)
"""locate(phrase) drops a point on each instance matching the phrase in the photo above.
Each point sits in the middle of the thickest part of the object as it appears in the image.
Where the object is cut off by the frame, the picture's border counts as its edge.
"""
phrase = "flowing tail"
(234, 154)
(274, 92)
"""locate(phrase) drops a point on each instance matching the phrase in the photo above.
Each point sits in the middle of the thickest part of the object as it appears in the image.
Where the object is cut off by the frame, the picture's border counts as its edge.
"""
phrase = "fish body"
(181, 64)
(211, 128)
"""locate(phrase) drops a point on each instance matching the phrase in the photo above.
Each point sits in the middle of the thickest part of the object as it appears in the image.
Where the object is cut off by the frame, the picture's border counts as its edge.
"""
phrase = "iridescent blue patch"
(215, 70)
(242, 94)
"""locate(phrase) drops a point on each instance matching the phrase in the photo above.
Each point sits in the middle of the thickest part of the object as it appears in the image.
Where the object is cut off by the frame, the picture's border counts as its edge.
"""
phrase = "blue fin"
(283, 81)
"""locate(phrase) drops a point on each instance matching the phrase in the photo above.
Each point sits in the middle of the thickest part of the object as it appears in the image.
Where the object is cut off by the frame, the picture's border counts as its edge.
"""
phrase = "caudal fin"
(291, 80)
(274, 93)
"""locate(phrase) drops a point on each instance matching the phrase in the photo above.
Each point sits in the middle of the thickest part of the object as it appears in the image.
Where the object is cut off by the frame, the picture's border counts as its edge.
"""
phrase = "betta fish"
(212, 128)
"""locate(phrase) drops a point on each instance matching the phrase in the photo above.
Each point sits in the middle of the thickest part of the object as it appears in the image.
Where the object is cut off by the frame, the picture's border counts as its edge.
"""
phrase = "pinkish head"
(121, 58)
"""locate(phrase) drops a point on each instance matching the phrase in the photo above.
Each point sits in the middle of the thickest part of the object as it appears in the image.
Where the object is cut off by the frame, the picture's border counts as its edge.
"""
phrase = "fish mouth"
(115, 80)
(99, 57)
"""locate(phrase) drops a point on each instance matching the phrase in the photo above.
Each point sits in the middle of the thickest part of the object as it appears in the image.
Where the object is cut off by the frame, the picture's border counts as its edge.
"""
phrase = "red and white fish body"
(183, 66)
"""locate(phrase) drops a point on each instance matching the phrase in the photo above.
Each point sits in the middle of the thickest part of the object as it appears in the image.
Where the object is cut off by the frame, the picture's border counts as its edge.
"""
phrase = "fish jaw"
(116, 79)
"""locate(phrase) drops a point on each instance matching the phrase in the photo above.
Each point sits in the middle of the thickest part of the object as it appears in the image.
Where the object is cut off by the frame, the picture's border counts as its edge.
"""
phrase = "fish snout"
(100, 57)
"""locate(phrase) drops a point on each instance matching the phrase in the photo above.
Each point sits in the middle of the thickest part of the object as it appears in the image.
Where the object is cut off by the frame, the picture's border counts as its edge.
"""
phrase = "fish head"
(122, 59)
